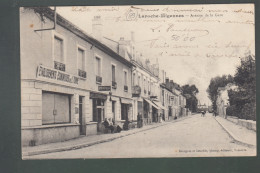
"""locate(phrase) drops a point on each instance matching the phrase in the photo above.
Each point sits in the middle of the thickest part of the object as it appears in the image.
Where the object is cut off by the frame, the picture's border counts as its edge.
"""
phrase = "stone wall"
(249, 124)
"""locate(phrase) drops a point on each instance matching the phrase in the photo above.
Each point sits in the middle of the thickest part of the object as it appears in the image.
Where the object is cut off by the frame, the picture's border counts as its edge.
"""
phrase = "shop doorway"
(154, 114)
(82, 117)
(124, 111)
(98, 110)
(114, 110)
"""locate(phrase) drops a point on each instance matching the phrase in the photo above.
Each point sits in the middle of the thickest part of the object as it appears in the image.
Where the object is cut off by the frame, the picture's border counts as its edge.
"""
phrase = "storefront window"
(55, 108)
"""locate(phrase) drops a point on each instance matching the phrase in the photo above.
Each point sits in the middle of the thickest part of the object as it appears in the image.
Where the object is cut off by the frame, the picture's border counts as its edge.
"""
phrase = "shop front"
(150, 112)
(98, 108)
(52, 107)
(126, 109)
(161, 111)
(51, 113)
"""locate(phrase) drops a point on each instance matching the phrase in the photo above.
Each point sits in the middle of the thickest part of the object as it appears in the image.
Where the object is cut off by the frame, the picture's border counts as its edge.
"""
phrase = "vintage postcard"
(140, 81)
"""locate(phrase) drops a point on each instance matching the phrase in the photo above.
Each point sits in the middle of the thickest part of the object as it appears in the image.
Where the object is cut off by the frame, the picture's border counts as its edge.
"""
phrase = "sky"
(192, 43)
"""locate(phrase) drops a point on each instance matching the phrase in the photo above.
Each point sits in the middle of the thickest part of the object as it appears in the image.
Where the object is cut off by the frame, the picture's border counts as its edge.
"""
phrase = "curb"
(88, 144)
(233, 137)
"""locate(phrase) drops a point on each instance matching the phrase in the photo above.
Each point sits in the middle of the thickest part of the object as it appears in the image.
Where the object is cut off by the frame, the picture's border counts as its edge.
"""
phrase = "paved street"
(196, 136)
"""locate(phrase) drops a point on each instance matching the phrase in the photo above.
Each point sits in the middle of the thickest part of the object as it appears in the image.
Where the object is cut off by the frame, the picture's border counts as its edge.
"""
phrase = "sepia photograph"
(138, 81)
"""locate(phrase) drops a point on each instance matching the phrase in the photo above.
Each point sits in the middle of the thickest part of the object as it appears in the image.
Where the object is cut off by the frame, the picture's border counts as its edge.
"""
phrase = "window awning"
(159, 105)
(151, 103)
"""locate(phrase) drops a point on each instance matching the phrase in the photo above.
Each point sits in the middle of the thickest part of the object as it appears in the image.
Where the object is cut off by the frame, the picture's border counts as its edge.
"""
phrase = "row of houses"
(71, 81)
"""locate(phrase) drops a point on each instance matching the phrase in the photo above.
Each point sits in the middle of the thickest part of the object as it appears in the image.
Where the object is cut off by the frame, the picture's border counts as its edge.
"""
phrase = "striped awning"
(159, 105)
(151, 103)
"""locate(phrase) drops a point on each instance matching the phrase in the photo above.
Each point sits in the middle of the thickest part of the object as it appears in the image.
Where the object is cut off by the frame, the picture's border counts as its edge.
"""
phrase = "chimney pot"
(97, 27)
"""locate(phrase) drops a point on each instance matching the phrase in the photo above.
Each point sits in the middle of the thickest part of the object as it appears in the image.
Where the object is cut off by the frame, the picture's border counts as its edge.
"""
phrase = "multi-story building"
(145, 80)
(70, 81)
(171, 97)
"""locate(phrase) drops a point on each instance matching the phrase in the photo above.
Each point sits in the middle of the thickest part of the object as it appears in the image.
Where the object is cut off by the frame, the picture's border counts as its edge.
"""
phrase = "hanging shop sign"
(48, 73)
(104, 88)
(136, 91)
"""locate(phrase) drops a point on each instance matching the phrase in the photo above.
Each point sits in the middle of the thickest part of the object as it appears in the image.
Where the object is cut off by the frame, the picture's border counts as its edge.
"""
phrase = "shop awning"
(151, 103)
(159, 105)
(126, 101)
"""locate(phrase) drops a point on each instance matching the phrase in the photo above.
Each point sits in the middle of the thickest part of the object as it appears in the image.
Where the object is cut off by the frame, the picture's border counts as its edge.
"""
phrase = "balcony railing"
(82, 73)
(59, 66)
(125, 88)
(98, 80)
(114, 85)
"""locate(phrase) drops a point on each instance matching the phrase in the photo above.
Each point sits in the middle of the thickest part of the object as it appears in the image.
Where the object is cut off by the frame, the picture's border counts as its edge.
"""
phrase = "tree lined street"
(195, 136)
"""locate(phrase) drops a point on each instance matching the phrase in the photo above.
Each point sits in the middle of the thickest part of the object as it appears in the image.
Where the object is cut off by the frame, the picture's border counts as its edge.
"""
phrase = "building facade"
(223, 99)
(70, 82)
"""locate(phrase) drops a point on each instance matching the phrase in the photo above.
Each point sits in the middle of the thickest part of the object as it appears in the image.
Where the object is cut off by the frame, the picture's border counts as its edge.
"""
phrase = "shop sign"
(104, 88)
(135, 95)
(53, 74)
(97, 96)
(136, 91)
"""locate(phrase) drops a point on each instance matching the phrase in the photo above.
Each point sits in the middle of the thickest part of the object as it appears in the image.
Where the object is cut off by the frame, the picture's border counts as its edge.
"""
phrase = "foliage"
(190, 92)
(244, 98)
(215, 83)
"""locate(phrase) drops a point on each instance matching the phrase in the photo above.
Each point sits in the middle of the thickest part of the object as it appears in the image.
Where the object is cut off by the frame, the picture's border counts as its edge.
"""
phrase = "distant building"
(172, 98)
(223, 99)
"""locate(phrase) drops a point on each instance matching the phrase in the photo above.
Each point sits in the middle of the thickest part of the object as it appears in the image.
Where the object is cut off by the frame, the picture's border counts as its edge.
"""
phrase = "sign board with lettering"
(97, 96)
(49, 73)
(104, 88)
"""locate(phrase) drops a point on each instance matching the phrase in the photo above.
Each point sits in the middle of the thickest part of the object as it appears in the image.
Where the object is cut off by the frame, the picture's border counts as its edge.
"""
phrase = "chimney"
(97, 28)
(171, 84)
(166, 80)
(122, 46)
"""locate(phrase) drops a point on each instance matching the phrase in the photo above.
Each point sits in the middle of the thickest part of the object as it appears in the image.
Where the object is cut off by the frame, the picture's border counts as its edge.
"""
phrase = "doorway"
(82, 117)
(114, 110)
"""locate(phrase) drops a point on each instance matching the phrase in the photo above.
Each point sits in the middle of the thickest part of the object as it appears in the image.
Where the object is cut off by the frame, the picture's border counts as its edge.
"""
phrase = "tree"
(215, 83)
(243, 100)
(190, 92)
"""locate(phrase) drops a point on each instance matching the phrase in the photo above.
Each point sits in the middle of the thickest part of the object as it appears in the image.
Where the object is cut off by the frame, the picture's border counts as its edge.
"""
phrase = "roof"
(49, 13)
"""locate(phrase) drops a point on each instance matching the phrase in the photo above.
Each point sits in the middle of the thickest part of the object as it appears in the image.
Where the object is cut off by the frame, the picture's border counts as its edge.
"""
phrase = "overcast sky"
(192, 43)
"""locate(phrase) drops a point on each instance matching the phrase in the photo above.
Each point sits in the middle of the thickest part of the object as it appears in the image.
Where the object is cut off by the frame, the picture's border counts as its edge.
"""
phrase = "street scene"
(138, 81)
(195, 136)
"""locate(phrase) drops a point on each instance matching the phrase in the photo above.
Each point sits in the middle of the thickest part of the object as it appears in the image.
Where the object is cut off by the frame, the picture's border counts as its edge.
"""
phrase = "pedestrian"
(139, 123)
(214, 113)
(109, 125)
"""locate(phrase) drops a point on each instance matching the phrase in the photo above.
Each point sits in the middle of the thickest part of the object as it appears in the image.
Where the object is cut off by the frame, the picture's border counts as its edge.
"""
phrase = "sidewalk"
(239, 134)
(86, 141)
